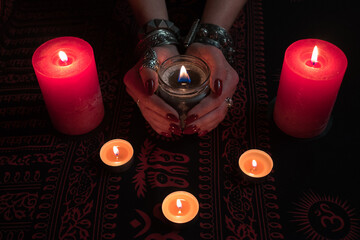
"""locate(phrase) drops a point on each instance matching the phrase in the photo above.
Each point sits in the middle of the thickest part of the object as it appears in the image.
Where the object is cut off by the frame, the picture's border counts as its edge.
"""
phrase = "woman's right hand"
(141, 83)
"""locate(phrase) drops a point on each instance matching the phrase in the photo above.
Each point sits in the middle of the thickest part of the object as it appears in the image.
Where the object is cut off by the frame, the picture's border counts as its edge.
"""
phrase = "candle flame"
(254, 163)
(63, 57)
(314, 55)
(116, 151)
(183, 76)
(179, 205)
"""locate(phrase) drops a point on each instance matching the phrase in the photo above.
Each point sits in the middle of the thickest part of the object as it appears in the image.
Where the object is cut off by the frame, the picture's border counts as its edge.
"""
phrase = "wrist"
(166, 51)
(198, 46)
(156, 24)
(156, 33)
(213, 35)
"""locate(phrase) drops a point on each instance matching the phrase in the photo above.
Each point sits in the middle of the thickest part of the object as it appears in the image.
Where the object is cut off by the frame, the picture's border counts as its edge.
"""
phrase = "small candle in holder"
(66, 71)
(180, 207)
(117, 153)
(255, 163)
(183, 83)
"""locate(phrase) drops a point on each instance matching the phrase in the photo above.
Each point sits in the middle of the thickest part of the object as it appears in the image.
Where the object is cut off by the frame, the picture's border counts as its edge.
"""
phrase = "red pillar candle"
(66, 71)
(308, 87)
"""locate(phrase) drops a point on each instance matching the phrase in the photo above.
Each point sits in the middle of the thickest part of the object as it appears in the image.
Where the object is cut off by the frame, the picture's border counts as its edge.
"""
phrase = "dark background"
(328, 165)
(324, 168)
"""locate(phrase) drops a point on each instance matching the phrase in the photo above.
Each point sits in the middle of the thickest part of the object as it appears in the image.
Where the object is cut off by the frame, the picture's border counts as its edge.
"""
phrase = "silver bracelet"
(211, 34)
(156, 38)
(156, 24)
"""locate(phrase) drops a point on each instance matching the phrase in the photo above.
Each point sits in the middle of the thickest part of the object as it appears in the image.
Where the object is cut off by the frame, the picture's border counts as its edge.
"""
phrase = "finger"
(157, 122)
(156, 104)
(211, 120)
(132, 80)
(136, 90)
(149, 79)
(150, 63)
(217, 63)
(148, 70)
(208, 104)
(218, 75)
(211, 102)
(162, 125)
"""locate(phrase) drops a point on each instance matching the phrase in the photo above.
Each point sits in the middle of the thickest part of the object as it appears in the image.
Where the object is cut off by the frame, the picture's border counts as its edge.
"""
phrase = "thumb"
(148, 72)
(149, 78)
(218, 74)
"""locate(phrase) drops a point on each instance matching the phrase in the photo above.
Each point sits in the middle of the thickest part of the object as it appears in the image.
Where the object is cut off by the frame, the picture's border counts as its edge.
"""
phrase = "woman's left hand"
(161, 116)
(212, 110)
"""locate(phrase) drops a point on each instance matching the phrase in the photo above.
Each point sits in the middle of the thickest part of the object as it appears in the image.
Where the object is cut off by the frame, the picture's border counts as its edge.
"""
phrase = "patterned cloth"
(54, 186)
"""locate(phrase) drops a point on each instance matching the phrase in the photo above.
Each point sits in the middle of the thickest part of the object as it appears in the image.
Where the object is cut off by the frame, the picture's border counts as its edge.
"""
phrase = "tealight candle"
(310, 79)
(180, 207)
(183, 83)
(117, 153)
(66, 71)
(255, 163)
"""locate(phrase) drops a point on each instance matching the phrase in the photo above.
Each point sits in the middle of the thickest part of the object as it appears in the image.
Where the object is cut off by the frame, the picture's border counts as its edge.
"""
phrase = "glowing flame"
(314, 55)
(254, 163)
(183, 76)
(116, 151)
(179, 205)
(63, 57)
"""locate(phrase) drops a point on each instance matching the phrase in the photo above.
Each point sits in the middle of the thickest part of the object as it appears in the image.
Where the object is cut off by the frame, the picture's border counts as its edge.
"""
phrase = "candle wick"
(116, 151)
(179, 212)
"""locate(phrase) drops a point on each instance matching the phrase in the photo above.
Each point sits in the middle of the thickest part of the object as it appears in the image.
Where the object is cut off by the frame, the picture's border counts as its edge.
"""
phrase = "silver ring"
(229, 102)
(150, 60)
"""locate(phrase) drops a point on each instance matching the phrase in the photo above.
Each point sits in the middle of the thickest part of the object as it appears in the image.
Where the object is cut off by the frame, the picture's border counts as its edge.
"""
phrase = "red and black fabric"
(54, 186)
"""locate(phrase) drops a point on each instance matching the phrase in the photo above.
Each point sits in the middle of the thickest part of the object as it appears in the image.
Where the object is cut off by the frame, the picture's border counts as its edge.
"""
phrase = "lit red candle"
(66, 71)
(308, 87)
(180, 207)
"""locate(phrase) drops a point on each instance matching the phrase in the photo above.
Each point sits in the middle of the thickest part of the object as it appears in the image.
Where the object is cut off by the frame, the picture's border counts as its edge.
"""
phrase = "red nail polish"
(218, 87)
(191, 118)
(190, 129)
(165, 134)
(175, 129)
(172, 117)
(149, 86)
(202, 133)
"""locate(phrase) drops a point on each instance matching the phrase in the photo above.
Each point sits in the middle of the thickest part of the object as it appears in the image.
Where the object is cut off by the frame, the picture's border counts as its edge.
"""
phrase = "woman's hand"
(141, 83)
(212, 110)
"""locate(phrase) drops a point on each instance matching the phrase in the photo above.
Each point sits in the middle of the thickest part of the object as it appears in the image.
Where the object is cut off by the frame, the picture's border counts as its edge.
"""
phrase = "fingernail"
(202, 133)
(149, 86)
(175, 129)
(218, 87)
(190, 129)
(172, 117)
(165, 134)
(191, 118)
